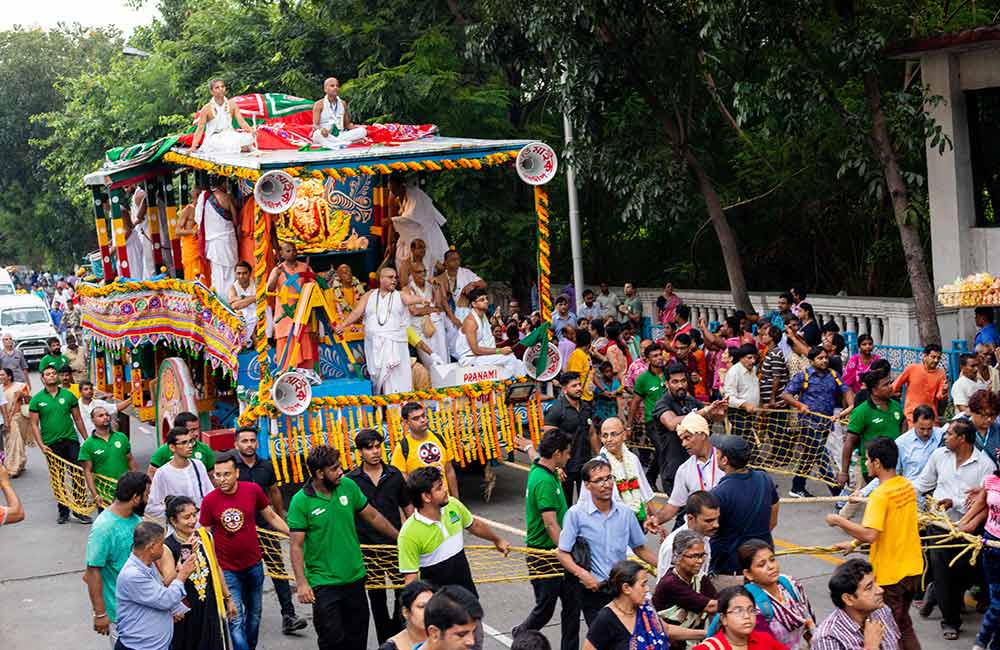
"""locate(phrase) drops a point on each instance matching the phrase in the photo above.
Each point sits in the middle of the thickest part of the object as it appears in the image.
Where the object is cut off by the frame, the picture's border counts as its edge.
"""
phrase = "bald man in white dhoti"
(475, 345)
(386, 318)
(332, 126)
(427, 316)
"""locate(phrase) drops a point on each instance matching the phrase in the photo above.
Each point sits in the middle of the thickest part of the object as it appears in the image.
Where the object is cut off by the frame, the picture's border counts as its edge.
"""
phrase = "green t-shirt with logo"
(869, 422)
(331, 553)
(55, 415)
(650, 388)
(109, 458)
(201, 451)
(544, 494)
(57, 361)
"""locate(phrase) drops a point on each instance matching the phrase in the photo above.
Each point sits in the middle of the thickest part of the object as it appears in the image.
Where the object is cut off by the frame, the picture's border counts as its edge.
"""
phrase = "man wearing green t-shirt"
(325, 552)
(55, 419)
(55, 358)
(105, 452)
(879, 415)
(649, 386)
(109, 546)
(201, 451)
(432, 542)
(544, 508)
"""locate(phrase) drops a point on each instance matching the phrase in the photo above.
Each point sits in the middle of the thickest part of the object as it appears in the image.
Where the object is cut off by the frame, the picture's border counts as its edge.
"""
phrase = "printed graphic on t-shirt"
(429, 452)
(232, 519)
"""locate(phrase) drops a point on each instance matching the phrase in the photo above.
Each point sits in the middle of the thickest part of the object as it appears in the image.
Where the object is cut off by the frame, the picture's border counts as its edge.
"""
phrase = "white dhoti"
(386, 351)
(342, 140)
(511, 365)
(133, 249)
(148, 262)
(220, 243)
(388, 364)
(226, 141)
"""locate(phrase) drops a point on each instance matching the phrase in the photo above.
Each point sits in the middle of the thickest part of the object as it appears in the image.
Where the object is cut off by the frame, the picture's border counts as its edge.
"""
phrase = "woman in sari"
(666, 305)
(204, 627)
(684, 596)
(15, 394)
(860, 363)
(629, 622)
(782, 604)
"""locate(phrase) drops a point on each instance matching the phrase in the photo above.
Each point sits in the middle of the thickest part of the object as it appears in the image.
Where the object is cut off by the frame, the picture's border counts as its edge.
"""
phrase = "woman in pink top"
(860, 363)
(986, 506)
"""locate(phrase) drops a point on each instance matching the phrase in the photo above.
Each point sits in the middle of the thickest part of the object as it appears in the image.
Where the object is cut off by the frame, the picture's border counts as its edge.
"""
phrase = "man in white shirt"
(182, 476)
(742, 389)
(703, 518)
(88, 403)
(951, 472)
(608, 301)
(243, 298)
(967, 383)
(590, 309)
(700, 472)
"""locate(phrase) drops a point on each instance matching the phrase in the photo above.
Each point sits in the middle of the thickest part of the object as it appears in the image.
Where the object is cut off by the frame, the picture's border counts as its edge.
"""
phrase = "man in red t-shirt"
(229, 512)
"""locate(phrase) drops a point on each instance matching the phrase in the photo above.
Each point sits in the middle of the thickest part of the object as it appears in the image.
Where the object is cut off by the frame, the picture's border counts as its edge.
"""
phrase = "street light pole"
(576, 247)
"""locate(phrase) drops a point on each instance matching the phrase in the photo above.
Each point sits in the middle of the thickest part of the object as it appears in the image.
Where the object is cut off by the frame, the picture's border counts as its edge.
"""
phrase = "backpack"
(761, 600)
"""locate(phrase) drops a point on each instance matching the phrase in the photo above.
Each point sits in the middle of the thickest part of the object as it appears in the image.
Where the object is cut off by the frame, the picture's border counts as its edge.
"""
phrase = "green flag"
(539, 335)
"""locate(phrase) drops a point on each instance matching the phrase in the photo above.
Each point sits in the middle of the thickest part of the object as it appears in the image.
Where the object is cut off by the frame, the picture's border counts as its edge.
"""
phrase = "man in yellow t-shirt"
(421, 447)
(579, 362)
(890, 526)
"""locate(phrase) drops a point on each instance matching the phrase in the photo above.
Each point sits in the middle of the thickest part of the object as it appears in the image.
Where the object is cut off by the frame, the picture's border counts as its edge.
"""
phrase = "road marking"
(503, 527)
(500, 637)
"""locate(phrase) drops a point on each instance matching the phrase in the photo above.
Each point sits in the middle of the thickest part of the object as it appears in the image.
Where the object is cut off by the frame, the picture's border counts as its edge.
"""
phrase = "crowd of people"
(714, 581)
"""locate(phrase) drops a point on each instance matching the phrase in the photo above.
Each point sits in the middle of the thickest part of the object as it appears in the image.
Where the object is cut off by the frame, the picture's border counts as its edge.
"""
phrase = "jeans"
(989, 631)
(68, 450)
(246, 587)
(813, 432)
(547, 592)
(340, 615)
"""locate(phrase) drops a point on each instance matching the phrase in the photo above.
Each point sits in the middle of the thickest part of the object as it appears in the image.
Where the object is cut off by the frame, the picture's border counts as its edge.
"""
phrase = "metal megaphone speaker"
(275, 191)
(537, 163)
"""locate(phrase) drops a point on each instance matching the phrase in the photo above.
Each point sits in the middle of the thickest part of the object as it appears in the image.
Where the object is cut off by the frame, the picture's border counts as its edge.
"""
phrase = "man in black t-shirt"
(668, 413)
(385, 488)
(572, 416)
(254, 469)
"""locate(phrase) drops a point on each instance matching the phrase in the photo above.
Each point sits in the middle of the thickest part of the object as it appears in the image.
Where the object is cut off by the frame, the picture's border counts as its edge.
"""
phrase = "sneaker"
(290, 624)
(83, 519)
(63, 518)
(800, 494)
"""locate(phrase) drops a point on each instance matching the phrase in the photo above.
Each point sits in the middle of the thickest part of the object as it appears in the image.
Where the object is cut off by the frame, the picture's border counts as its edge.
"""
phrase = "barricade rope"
(382, 564)
(69, 487)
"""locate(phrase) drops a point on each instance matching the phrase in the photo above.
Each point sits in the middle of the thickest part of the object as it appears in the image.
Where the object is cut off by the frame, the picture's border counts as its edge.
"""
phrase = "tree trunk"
(913, 251)
(727, 237)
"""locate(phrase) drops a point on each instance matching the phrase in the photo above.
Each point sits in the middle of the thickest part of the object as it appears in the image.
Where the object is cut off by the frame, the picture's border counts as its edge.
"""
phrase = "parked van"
(26, 318)
(6, 284)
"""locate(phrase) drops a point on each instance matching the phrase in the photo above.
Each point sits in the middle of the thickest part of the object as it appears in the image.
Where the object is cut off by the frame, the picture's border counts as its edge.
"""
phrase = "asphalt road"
(44, 604)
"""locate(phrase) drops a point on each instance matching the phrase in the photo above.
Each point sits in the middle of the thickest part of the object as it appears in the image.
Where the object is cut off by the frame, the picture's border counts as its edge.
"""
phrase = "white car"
(26, 318)
(6, 284)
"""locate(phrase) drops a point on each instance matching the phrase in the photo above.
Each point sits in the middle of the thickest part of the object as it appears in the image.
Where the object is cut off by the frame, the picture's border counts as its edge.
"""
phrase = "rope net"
(69, 487)
(382, 563)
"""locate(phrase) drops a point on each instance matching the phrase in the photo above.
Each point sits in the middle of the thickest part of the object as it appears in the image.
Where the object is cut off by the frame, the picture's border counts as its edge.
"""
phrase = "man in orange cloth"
(187, 229)
(286, 282)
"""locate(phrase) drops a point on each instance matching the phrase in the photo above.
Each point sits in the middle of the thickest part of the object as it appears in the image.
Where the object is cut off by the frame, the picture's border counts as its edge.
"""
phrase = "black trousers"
(340, 615)
(68, 450)
(547, 592)
(591, 602)
(386, 625)
(670, 455)
(950, 582)
(572, 482)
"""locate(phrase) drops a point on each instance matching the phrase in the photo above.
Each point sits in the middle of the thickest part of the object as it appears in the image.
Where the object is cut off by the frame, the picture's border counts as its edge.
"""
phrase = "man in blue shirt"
(562, 316)
(748, 508)
(610, 529)
(146, 608)
(814, 392)
(987, 330)
(917, 444)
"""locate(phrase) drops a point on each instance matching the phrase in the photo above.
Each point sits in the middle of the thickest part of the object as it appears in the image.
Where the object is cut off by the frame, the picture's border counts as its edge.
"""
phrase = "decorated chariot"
(170, 343)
